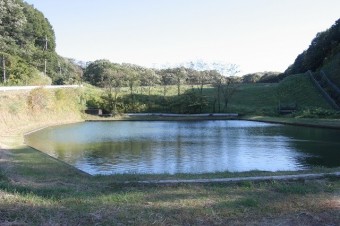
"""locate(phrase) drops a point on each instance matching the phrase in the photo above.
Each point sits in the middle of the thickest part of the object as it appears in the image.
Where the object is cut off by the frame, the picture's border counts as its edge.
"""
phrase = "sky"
(257, 35)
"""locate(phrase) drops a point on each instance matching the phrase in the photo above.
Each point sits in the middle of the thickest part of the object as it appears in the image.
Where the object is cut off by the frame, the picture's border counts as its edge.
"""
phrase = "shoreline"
(304, 122)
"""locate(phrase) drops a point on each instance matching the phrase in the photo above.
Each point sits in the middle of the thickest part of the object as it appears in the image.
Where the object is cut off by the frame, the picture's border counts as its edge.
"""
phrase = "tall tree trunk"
(178, 87)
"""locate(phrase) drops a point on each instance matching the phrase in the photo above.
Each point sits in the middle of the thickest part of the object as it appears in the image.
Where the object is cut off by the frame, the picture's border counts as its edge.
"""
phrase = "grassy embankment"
(36, 189)
(24, 111)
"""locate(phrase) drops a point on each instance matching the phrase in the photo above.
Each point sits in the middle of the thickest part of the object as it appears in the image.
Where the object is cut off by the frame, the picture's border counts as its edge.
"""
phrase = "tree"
(12, 20)
(226, 82)
(230, 84)
(149, 78)
(166, 80)
(180, 76)
(114, 79)
(229, 88)
(94, 72)
(217, 82)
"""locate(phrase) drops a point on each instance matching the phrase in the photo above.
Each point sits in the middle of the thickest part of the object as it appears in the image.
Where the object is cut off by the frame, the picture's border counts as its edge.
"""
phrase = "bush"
(317, 113)
(38, 99)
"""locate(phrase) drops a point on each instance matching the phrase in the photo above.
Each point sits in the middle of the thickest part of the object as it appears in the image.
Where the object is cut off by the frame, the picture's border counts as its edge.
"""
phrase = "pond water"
(188, 147)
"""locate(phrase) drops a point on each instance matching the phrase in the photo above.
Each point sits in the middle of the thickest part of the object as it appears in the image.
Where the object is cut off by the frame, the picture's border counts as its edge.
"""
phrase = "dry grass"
(18, 114)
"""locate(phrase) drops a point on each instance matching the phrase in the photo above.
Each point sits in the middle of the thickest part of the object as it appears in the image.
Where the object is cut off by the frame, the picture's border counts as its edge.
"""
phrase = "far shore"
(306, 122)
(15, 137)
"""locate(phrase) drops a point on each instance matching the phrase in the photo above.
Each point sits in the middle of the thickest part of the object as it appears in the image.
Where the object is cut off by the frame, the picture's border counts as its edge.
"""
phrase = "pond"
(188, 146)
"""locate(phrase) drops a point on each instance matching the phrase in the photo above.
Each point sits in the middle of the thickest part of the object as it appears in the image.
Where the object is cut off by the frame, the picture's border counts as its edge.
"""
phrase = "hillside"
(332, 69)
(323, 48)
(27, 49)
(28, 110)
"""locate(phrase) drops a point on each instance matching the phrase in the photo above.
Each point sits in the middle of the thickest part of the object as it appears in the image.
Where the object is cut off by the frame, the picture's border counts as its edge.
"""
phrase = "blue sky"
(258, 35)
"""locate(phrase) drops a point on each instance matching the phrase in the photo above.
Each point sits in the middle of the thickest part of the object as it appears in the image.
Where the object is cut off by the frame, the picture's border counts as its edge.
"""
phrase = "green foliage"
(27, 39)
(332, 68)
(190, 102)
(66, 100)
(20, 73)
(261, 77)
(317, 113)
(94, 73)
(324, 46)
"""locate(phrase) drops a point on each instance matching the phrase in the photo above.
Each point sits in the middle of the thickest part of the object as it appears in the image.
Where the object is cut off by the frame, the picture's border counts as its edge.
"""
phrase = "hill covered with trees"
(27, 48)
(323, 48)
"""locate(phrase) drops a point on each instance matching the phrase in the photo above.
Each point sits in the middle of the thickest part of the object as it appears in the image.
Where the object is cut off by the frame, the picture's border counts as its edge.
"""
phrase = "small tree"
(149, 79)
(180, 76)
(166, 80)
(229, 88)
(226, 82)
(113, 81)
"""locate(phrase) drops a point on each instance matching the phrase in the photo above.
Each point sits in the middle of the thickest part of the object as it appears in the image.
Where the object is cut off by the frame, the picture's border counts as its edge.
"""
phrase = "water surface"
(188, 147)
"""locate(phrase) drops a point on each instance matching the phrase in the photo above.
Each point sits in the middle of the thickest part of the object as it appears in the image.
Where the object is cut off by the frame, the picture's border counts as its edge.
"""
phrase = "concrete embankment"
(28, 88)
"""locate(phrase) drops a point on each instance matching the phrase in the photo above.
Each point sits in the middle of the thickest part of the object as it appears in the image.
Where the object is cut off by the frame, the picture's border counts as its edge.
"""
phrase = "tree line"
(112, 77)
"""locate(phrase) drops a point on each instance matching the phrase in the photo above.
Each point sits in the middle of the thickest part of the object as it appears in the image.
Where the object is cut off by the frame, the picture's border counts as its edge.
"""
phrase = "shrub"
(38, 99)
(317, 113)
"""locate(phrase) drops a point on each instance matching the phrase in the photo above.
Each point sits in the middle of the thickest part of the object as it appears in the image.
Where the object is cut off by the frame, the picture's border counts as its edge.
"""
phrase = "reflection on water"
(188, 147)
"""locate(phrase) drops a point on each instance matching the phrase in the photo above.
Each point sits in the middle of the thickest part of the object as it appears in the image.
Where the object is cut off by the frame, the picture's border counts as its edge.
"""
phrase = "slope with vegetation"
(23, 111)
(322, 49)
(27, 48)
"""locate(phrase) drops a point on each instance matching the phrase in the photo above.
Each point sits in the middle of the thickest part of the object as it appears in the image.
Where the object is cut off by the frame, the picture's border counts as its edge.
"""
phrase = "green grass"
(311, 122)
(255, 99)
(299, 89)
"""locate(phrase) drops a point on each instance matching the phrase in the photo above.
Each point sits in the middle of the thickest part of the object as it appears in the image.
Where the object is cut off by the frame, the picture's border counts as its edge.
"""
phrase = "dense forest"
(27, 48)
